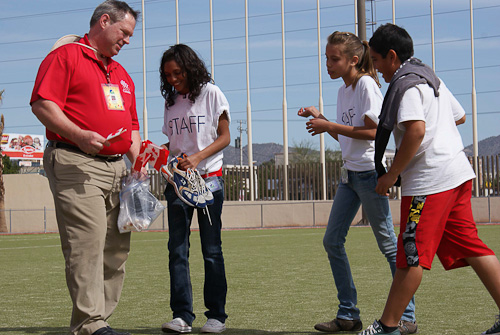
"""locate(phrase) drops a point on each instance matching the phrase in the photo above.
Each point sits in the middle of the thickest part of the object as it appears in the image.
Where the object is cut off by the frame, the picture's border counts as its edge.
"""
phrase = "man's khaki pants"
(86, 196)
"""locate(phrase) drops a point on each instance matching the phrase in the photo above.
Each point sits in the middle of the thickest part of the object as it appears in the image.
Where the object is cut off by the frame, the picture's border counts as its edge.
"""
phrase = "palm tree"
(3, 222)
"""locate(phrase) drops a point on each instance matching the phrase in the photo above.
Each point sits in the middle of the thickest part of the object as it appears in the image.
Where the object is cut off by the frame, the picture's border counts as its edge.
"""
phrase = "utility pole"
(373, 14)
(362, 37)
(241, 130)
(361, 20)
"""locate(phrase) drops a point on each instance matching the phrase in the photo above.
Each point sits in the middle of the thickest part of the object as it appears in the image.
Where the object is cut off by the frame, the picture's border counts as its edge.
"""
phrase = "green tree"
(9, 167)
(305, 152)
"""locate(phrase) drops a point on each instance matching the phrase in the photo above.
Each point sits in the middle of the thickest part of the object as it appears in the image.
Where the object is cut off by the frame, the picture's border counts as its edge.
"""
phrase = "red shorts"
(439, 224)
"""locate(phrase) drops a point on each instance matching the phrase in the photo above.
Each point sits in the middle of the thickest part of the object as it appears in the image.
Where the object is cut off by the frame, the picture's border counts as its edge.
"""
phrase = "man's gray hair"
(115, 9)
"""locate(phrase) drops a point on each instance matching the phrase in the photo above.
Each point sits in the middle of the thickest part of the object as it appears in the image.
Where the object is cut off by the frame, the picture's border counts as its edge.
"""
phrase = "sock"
(386, 328)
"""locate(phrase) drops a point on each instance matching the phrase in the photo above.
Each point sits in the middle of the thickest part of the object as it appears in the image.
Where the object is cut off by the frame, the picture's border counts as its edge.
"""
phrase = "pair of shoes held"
(188, 185)
(338, 325)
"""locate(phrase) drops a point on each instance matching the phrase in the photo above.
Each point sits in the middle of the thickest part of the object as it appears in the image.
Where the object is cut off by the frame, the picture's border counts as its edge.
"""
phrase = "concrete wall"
(29, 208)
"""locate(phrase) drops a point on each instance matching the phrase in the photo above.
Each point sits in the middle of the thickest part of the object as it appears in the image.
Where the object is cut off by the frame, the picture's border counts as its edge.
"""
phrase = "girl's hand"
(308, 111)
(189, 162)
(317, 126)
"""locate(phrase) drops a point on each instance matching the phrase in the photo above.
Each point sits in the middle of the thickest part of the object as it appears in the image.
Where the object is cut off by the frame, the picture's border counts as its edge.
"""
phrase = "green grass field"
(279, 283)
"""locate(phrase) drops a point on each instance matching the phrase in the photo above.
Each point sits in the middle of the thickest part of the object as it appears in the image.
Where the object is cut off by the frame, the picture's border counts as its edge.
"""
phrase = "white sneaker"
(185, 183)
(177, 325)
(203, 190)
(213, 326)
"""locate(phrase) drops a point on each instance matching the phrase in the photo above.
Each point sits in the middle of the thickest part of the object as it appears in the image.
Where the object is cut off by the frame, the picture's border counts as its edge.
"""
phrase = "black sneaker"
(376, 328)
(495, 330)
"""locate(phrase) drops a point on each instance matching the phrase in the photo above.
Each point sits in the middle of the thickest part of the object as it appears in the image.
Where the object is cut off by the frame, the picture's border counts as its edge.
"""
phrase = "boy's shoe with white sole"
(376, 328)
(177, 325)
(213, 326)
(495, 329)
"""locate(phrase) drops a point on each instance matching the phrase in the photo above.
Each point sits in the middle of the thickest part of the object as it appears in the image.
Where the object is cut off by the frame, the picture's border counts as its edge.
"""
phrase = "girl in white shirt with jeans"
(359, 103)
(196, 122)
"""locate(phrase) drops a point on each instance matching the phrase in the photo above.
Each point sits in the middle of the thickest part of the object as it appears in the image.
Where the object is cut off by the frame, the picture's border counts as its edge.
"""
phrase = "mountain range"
(265, 152)
(488, 147)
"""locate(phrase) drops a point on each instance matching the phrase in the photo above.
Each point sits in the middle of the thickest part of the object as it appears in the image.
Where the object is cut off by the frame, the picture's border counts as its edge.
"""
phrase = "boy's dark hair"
(115, 9)
(389, 36)
(193, 67)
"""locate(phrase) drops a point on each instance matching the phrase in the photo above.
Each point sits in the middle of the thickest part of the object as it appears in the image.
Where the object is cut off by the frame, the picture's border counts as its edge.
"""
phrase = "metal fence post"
(44, 220)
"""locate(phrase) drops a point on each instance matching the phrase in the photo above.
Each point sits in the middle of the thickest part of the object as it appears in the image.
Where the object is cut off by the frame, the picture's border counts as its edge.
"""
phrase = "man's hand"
(90, 142)
(52, 117)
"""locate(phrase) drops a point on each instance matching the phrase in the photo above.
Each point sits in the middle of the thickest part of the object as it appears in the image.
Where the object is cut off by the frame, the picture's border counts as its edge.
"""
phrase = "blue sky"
(29, 28)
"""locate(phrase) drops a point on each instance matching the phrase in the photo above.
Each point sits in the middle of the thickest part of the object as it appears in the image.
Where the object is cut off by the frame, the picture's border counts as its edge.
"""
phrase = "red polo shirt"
(73, 78)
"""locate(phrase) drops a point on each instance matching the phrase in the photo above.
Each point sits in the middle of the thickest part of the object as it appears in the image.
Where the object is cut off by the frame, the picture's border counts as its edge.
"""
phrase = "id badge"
(113, 97)
(344, 175)
(213, 184)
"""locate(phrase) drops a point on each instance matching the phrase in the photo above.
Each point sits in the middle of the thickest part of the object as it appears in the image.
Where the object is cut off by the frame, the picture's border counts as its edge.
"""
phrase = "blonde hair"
(353, 46)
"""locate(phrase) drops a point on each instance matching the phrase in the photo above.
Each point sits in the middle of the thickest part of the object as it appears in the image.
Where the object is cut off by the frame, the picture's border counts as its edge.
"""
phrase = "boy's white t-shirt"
(352, 107)
(440, 163)
(191, 127)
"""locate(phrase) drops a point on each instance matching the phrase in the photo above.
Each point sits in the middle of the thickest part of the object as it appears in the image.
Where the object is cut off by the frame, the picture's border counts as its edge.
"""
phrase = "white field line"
(133, 242)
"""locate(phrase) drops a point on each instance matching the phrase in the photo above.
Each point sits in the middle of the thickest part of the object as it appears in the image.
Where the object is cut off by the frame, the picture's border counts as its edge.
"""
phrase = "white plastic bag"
(138, 207)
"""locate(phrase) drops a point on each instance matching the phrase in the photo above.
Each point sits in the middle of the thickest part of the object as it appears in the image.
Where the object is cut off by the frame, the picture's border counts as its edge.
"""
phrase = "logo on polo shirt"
(125, 87)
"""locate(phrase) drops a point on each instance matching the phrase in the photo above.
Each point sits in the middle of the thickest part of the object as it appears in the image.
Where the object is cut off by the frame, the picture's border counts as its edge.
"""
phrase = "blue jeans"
(359, 190)
(215, 287)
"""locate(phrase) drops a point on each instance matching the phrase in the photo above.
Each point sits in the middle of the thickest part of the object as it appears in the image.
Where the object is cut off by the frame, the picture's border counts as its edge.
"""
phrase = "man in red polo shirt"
(82, 96)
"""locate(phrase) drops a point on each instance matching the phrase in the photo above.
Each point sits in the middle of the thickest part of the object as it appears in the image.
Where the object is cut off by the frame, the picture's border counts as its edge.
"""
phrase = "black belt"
(64, 145)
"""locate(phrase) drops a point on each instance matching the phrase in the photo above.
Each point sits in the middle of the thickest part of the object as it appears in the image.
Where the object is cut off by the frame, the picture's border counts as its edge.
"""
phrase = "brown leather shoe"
(339, 325)
(407, 327)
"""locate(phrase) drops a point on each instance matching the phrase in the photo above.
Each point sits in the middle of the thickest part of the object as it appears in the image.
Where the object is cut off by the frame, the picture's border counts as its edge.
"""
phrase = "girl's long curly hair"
(194, 70)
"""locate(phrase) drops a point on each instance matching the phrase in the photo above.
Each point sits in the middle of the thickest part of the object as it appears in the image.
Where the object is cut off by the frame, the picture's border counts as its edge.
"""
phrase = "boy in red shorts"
(436, 177)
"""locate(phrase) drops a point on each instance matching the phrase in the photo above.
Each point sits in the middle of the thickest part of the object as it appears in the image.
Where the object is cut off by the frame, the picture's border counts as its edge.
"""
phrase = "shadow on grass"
(265, 332)
(142, 331)
(34, 330)
(228, 331)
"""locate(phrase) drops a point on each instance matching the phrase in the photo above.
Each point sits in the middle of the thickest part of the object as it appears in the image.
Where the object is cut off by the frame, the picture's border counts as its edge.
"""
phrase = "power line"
(221, 20)
(65, 12)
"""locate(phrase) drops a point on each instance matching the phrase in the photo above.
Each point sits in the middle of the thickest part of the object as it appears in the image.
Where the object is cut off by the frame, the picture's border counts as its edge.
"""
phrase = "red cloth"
(445, 226)
(72, 77)
(217, 173)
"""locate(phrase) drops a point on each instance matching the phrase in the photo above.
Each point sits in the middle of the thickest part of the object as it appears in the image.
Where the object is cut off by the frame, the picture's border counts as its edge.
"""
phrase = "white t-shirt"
(191, 127)
(352, 108)
(440, 163)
